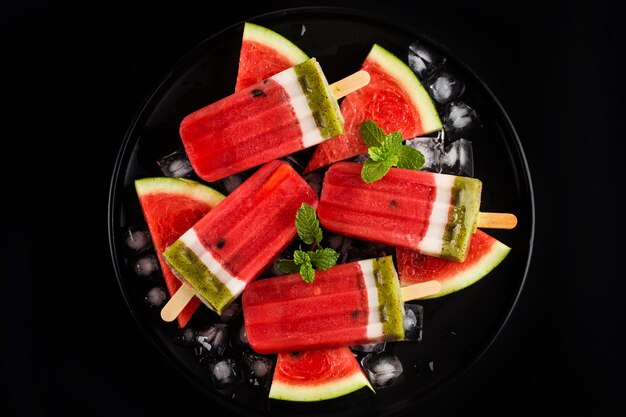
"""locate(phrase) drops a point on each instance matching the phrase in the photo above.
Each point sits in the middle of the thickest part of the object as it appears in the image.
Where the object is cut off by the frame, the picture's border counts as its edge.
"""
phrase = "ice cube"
(146, 266)
(185, 336)
(361, 158)
(257, 369)
(224, 373)
(136, 239)
(369, 348)
(231, 182)
(413, 322)
(176, 165)
(240, 339)
(382, 369)
(231, 313)
(458, 158)
(459, 118)
(444, 87)
(423, 60)
(156, 297)
(431, 148)
(212, 340)
(314, 179)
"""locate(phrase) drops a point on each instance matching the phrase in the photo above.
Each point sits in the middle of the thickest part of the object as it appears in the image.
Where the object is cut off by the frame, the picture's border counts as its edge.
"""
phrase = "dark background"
(75, 74)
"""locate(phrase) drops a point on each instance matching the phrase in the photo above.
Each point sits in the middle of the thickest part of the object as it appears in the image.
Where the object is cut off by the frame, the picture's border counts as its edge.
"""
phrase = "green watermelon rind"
(410, 85)
(324, 391)
(282, 45)
(179, 186)
(473, 274)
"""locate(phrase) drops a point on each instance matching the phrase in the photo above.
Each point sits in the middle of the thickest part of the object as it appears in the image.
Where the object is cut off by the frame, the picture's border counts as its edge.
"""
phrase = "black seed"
(354, 315)
(220, 243)
(258, 93)
(393, 203)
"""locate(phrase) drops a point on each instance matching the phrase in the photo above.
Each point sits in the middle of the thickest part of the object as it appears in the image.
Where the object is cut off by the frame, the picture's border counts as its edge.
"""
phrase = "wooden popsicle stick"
(349, 84)
(421, 290)
(489, 220)
(177, 303)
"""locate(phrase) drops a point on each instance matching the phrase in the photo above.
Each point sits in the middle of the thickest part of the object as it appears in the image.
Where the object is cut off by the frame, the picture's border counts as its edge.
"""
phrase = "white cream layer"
(234, 284)
(432, 242)
(374, 325)
(311, 134)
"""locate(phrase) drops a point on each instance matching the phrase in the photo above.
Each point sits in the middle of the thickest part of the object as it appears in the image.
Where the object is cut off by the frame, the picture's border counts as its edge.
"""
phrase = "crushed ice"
(423, 60)
(156, 297)
(212, 340)
(175, 165)
(458, 158)
(258, 369)
(137, 239)
(382, 369)
(224, 373)
(413, 322)
(445, 87)
(146, 266)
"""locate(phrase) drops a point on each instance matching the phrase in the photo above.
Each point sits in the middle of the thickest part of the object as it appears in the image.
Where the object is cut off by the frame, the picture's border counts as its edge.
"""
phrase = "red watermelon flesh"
(484, 254)
(263, 54)
(266, 63)
(317, 375)
(169, 214)
(394, 99)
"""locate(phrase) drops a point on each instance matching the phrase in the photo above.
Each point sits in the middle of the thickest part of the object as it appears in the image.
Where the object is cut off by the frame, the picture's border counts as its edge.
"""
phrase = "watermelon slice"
(263, 54)
(170, 207)
(394, 99)
(484, 254)
(317, 375)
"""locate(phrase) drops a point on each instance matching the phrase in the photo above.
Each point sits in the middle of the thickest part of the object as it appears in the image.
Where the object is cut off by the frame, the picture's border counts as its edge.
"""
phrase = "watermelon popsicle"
(239, 238)
(435, 214)
(350, 304)
(283, 114)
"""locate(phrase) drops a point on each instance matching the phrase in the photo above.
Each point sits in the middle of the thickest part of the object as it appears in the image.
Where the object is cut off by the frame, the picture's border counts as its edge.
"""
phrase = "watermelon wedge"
(394, 99)
(317, 375)
(263, 54)
(484, 254)
(170, 207)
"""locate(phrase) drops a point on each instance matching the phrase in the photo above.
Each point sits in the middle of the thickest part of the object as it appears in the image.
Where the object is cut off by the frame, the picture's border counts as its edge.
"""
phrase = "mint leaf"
(386, 151)
(287, 266)
(410, 158)
(324, 258)
(374, 170)
(377, 153)
(310, 232)
(371, 134)
(392, 144)
(301, 257)
(307, 225)
(307, 272)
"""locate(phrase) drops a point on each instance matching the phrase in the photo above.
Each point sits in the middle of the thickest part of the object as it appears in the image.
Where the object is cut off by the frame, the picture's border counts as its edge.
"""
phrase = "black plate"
(459, 327)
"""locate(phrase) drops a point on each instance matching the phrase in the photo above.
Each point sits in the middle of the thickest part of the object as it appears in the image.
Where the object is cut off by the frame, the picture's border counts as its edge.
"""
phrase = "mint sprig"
(307, 225)
(386, 151)
(310, 232)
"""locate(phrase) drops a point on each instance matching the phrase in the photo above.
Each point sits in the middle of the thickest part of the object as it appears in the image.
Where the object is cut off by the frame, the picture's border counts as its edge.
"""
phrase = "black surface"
(76, 74)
